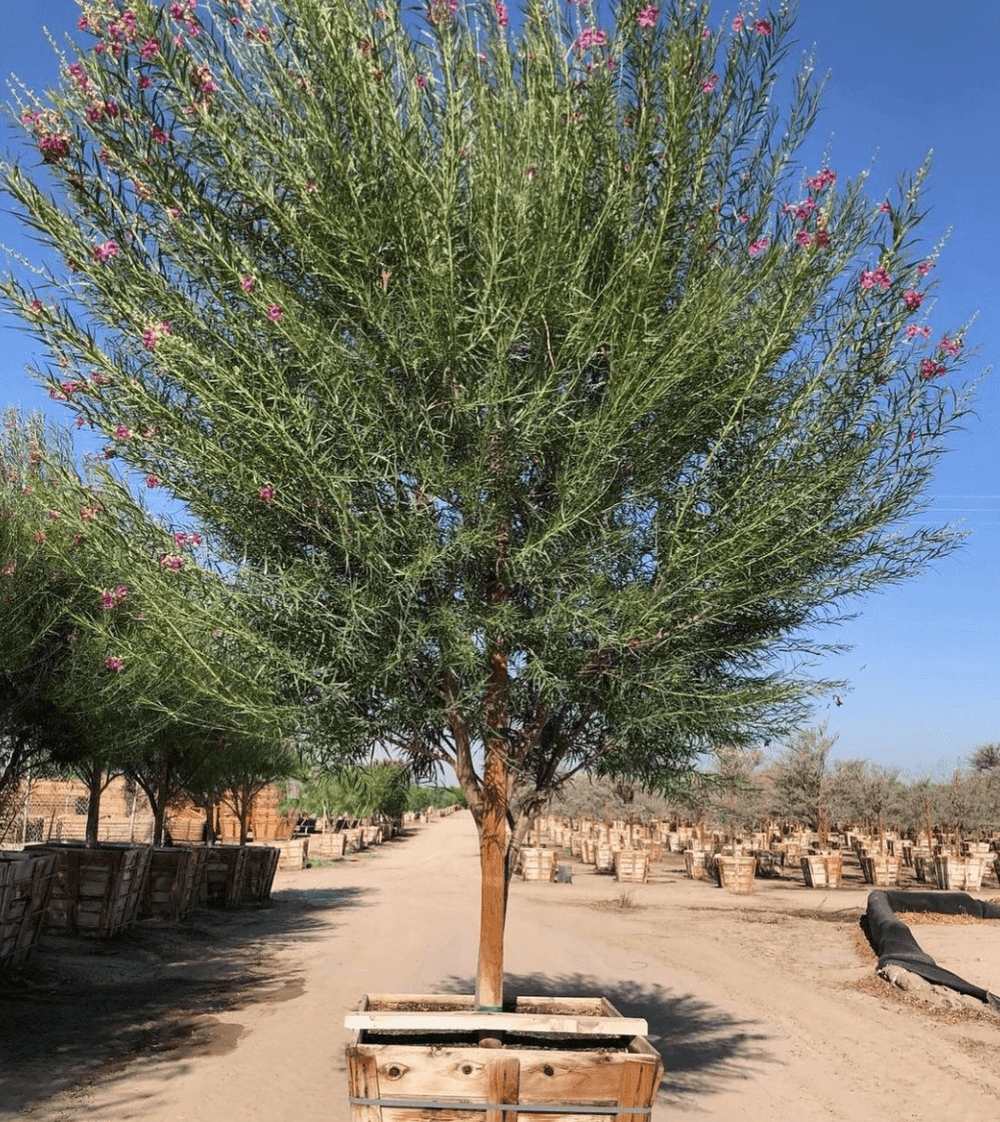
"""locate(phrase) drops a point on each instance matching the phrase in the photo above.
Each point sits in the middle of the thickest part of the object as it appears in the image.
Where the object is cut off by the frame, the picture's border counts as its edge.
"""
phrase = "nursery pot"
(417, 1058)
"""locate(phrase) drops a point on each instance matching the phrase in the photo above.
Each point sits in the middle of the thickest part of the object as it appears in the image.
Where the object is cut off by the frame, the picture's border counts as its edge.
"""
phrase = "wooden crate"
(538, 864)
(329, 846)
(695, 863)
(735, 873)
(171, 891)
(293, 854)
(25, 886)
(225, 875)
(880, 871)
(262, 862)
(371, 835)
(632, 866)
(823, 870)
(959, 874)
(604, 858)
(95, 891)
(418, 1059)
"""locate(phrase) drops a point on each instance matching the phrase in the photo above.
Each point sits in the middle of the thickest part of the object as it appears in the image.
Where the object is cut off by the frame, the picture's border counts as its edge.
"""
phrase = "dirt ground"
(765, 1007)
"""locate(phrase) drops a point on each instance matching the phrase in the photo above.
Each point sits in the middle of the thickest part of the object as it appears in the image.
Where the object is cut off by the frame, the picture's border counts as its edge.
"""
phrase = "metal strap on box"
(531, 1108)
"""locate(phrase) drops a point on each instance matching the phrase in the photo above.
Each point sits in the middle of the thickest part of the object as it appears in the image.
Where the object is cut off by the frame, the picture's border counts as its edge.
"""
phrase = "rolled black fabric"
(895, 944)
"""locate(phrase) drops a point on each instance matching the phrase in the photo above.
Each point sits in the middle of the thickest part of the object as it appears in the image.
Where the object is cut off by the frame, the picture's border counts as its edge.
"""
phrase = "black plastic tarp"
(894, 942)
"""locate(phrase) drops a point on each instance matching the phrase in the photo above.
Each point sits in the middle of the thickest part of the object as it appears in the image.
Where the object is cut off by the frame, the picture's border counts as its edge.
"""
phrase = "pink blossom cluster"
(181, 539)
(931, 369)
(114, 663)
(709, 84)
(503, 16)
(824, 179)
(913, 330)
(154, 333)
(266, 493)
(589, 37)
(442, 11)
(761, 26)
(950, 346)
(204, 84)
(53, 142)
(756, 248)
(647, 17)
(172, 561)
(123, 432)
(913, 299)
(112, 598)
(872, 278)
(106, 250)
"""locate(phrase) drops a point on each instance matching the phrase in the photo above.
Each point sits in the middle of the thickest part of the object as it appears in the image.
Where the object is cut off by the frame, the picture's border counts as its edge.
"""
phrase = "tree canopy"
(539, 395)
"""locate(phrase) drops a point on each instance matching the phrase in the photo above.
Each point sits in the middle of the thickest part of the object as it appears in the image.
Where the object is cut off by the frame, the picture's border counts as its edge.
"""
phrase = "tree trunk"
(92, 777)
(493, 841)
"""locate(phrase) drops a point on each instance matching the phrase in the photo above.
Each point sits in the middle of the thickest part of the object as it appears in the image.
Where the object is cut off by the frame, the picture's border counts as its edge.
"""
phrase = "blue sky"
(906, 78)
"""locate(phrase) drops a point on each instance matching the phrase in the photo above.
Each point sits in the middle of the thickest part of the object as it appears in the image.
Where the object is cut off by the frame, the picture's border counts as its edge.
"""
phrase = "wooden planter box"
(225, 875)
(25, 886)
(632, 866)
(694, 863)
(604, 858)
(95, 891)
(418, 1059)
(371, 835)
(293, 854)
(328, 847)
(823, 870)
(959, 874)
(735, 873)
(173, 883)
(538, 864)
(262, 863)
(881, 871)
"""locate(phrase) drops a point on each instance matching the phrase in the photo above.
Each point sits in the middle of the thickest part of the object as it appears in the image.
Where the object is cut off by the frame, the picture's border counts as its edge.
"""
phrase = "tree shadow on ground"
(704, 1048)
(84, 1007)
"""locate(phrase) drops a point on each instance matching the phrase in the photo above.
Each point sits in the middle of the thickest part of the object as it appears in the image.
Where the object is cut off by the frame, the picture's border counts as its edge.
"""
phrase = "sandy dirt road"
(765, 1008)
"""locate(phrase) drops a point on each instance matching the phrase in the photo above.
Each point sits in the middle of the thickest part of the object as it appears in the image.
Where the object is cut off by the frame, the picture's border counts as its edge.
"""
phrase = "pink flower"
(421, 81)
(503, 17)
(274, 313)
(171, 561)
(113, 663)
(145, 82)
(153, 481)
(743, 219)
(952, 346)
(106, 250)
(738, 24)
(762, 27)
(912, 331)
(930, 369)
(885, 208)
(872, 277)
(824, 179)
(755, 249)
(247, 284)
(113, 598)
(157, 134)
(912, 298)
(123, 432)
(708, 86)
(154, 333)
(925, 267)
(804, 238)
(590, 38)
(647, 17)
(180, 539)
(266, 493)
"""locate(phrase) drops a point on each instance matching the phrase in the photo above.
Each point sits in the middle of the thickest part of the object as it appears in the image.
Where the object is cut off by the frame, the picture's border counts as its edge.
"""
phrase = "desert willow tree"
(119, 652)
(545, 402)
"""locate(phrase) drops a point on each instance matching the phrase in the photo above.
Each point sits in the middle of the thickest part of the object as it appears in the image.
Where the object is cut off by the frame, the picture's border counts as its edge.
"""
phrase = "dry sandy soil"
(765, 1008)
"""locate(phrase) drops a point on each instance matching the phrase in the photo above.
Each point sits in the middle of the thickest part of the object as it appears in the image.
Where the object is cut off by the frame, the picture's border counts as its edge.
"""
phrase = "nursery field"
(765, 1007)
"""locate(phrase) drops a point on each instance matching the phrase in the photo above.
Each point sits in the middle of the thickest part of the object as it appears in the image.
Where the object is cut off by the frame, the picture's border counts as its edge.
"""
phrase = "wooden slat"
(362, 1073)
(499, 1022)
(638, 1086)
(504, 1076)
